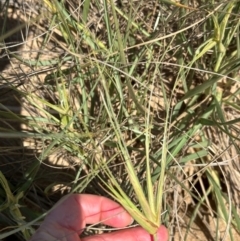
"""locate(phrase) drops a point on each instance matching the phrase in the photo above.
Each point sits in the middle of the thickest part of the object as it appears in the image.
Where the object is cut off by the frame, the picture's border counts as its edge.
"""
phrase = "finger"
(133, 234)
(80, 209)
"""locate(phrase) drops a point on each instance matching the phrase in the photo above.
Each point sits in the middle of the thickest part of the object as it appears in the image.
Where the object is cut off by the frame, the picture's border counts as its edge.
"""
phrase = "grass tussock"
(136, 100)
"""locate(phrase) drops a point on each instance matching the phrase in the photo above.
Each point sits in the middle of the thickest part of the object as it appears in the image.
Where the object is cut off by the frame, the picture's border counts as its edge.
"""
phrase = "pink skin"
(69, 218)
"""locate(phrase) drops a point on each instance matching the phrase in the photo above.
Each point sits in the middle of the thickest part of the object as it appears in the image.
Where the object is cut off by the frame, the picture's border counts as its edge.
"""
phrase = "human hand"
(69, 218)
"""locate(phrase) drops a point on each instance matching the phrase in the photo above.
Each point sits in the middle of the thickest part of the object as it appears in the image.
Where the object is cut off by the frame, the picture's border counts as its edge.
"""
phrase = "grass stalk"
(139, 99)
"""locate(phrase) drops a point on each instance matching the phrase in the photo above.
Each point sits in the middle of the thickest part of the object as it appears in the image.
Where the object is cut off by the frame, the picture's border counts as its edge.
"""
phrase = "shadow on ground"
(19, 163)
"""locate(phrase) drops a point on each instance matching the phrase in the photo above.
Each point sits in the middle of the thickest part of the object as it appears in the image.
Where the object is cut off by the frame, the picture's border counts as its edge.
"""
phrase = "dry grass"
(53, 67)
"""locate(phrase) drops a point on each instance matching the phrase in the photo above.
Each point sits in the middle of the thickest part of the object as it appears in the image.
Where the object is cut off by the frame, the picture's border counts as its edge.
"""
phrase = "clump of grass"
(148, 109)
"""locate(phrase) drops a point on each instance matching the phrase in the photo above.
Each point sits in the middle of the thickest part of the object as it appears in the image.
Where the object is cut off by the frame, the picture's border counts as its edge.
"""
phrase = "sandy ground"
(26, 43)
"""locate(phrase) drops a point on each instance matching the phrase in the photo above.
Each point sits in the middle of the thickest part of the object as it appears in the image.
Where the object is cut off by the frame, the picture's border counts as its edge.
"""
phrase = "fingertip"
(132, 234)
(162, 233)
